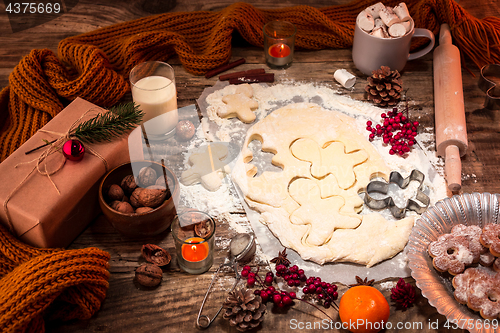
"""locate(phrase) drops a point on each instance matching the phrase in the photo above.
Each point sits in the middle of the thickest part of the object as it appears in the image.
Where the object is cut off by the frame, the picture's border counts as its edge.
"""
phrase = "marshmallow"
(397, 30)
(375, 9)
(365, 21)
(388, 16)
(402, 12)
(345, 78)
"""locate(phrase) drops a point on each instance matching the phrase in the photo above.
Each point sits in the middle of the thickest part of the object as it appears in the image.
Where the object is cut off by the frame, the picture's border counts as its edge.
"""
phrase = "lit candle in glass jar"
(194, 247)
(196, 250)
(279, 41)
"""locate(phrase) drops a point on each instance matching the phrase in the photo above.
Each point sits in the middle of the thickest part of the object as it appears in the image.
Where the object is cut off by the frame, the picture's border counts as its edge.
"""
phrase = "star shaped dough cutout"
(330, 160)
(240, 104)
(322, 215)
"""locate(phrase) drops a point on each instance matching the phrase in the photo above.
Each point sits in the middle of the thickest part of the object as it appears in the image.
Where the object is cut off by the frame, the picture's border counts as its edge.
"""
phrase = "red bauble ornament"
(73, 150)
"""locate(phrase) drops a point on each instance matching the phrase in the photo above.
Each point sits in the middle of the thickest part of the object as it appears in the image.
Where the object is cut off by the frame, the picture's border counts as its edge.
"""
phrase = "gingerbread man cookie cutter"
(489, 82)
(417, 204)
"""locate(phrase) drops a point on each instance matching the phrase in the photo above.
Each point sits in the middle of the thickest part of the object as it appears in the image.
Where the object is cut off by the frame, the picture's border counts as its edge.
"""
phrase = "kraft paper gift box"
(39, 215)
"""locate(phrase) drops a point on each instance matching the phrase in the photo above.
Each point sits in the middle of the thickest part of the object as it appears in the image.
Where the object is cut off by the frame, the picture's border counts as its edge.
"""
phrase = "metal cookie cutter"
(418, 204)
(489, 82)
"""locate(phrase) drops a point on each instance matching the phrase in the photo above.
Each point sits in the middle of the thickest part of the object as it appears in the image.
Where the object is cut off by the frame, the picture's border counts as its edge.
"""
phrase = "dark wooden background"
(172, 307)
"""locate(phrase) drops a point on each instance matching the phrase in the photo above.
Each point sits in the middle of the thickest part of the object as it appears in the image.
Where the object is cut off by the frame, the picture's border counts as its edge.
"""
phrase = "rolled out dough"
(312, 205)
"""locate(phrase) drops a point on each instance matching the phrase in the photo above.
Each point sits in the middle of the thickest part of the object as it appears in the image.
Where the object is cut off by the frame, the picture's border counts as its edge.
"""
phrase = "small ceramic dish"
(468, 209)
(144, 224)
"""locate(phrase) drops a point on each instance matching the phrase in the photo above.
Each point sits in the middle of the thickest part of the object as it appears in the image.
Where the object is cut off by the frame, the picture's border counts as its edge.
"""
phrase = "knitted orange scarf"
(51, 283)
(95, 65)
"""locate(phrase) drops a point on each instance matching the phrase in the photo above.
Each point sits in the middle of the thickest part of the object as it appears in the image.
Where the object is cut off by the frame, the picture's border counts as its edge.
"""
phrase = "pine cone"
(384, 87)
(244, 309)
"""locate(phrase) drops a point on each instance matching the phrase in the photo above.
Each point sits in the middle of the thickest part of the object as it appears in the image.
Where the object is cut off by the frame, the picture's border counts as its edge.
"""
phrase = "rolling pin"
(451, 132)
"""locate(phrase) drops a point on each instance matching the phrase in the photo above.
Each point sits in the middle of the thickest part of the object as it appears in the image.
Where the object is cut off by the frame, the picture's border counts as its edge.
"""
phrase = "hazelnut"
(134, 197)
(149, 275)
(128, 184)
(124, 207)
(147, 177)
(142, 210)
(115, 192)
(184, 130)
(155, 254)
(152, 196)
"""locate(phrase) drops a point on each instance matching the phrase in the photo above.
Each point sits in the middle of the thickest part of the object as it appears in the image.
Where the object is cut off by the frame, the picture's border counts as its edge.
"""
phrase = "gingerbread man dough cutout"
(207, 168)
(322, 215)
(240, 104)
(332, 159)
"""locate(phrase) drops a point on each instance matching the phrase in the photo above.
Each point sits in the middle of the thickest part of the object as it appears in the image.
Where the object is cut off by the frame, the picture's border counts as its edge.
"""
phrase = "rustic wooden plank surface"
(172, 307)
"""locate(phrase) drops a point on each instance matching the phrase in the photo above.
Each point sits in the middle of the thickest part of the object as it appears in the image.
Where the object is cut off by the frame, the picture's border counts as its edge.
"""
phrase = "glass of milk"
(153, 90)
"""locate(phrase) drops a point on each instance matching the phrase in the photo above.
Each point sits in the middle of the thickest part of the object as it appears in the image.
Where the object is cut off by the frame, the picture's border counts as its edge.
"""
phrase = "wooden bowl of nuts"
(139, 198)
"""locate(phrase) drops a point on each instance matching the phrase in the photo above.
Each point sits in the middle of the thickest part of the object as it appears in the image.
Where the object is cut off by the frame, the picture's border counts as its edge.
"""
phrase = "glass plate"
(469, 209)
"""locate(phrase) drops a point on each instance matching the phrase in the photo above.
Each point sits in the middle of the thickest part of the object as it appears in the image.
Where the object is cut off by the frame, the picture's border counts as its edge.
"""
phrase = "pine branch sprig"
(109, 125)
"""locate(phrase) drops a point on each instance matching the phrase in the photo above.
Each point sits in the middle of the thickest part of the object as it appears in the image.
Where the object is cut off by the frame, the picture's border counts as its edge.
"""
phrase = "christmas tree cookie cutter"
(418, 203)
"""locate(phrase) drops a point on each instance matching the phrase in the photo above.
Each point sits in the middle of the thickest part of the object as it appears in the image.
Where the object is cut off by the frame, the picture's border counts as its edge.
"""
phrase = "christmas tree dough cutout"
(207, 167)
(240, 104)
(333, 159)
(322, 215)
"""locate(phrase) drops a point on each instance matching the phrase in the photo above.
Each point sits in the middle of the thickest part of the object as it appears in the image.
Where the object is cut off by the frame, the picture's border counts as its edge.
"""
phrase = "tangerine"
(363, 309)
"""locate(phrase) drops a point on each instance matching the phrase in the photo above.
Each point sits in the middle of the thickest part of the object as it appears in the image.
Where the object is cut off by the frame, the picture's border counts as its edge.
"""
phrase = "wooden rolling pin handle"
(453, 168)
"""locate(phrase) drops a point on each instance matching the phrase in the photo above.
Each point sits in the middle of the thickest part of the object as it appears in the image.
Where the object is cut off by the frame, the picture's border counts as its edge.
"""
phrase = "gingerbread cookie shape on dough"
(240, 104)
(367, 242)
(207, 167)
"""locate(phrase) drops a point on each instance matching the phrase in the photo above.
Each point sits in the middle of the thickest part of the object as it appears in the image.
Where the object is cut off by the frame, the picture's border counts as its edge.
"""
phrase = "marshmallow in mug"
(385, 22)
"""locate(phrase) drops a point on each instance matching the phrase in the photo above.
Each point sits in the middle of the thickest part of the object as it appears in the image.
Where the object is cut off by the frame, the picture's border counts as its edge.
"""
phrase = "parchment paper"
(333, 272)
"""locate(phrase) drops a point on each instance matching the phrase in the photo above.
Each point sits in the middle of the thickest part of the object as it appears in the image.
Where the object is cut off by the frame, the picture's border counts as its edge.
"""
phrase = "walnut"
(128, 184)
(134, 197)
(115, 192)
(156, 255)
(184, 130)
(124, 207)
(152, 196)
(114, 204)
(142, 210)
(147, 177)
(148, 275)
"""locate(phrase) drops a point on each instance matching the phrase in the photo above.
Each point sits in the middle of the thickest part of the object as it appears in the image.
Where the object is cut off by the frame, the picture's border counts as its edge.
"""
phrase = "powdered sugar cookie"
(451, 253)
(491, 238)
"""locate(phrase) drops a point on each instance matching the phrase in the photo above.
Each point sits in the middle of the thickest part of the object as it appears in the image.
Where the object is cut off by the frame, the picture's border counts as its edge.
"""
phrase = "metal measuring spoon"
(242, 248)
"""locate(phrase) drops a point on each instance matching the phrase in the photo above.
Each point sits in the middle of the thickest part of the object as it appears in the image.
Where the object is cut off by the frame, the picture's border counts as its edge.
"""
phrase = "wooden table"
(173, 306)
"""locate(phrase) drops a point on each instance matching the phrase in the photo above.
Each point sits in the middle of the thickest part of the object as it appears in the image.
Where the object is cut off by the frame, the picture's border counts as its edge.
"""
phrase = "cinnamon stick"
(241, 74)
(224, 68)
(268, 77)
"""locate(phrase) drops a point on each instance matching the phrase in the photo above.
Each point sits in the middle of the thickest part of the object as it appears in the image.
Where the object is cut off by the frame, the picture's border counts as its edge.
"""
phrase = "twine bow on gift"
(103, 127)
(53, 148)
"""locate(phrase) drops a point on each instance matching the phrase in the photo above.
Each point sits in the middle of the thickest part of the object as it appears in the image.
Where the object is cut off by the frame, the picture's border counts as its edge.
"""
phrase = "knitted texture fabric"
(97, 64)
(48, 283)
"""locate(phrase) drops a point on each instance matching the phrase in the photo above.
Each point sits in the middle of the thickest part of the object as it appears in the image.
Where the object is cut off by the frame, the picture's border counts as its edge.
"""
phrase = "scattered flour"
(388, 285)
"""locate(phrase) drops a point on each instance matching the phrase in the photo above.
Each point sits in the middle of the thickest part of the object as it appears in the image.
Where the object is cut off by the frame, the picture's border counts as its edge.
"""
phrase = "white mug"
(369, 52)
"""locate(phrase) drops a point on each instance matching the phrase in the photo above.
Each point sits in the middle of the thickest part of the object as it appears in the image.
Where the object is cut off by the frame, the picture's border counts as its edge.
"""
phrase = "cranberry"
(250, 282)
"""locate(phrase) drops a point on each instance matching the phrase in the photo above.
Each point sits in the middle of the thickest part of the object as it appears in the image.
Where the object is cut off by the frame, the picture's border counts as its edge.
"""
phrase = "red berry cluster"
(268, 294)
(325, 293)
(396, 130)
(292, 275)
